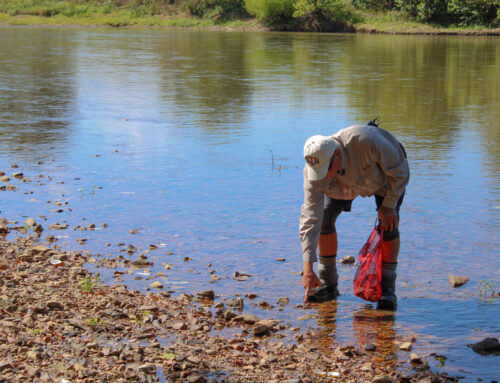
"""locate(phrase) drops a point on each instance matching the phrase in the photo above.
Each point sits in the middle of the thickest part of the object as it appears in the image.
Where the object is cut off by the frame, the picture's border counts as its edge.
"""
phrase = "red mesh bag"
(367, 282)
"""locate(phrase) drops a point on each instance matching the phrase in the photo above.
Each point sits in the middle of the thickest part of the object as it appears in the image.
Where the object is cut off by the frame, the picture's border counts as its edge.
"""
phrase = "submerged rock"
(487, 346)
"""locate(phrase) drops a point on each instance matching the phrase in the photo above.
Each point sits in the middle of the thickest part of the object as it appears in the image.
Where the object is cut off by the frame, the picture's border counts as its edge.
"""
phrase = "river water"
(194, 138)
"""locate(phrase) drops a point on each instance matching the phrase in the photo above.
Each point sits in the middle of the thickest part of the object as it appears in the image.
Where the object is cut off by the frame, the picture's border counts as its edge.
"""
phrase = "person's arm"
(309, 280)
(311, 217)
(310, 227)
(394, 165)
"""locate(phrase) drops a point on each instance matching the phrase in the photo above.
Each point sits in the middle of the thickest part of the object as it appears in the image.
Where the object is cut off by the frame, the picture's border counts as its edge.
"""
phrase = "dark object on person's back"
(373, 122)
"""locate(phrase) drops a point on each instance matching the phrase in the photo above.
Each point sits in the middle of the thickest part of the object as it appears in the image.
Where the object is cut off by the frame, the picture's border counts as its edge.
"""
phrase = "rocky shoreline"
(60, 323)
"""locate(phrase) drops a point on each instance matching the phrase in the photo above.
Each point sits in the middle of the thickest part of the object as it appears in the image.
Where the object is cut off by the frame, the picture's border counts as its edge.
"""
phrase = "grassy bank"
(190, 14)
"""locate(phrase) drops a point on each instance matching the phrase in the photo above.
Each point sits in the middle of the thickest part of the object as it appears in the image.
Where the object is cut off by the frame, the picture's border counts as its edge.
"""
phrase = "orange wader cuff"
(328, 244)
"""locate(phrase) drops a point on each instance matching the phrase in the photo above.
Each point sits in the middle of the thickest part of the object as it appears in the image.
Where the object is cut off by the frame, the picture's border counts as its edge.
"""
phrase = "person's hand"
(388, 218)
(310, 282)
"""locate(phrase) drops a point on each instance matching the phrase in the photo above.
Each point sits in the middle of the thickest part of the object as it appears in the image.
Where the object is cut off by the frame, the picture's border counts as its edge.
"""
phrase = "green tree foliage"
(325, 15)
(462, 12)
(221, 9)
(474, 12)
(424, 10)
(272, 12)
(378, 5)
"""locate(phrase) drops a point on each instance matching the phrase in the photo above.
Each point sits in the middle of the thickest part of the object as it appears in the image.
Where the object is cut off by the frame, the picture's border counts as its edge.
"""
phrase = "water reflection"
(205, 77)
(425, 87)
(377, 327)
(37, 90)
(327, 323)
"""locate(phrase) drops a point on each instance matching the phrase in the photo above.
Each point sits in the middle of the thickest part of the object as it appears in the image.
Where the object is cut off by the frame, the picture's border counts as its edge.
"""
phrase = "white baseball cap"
(318, 152)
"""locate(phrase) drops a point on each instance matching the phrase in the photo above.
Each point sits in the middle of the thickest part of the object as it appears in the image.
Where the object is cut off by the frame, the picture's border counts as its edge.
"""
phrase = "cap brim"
(316, 174)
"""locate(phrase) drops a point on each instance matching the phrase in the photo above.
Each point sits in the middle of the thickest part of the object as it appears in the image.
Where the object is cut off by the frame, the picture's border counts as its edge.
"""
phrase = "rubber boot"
(389, 301)
(327, 272)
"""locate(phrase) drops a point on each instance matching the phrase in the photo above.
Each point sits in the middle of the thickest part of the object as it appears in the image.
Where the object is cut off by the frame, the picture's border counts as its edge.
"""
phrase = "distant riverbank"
(389, 22)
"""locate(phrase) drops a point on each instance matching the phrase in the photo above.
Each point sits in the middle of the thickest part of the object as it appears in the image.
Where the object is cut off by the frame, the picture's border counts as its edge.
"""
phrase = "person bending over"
(361, 160)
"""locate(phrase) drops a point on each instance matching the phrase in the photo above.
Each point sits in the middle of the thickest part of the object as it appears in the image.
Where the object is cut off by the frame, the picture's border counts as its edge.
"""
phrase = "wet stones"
(59, 315)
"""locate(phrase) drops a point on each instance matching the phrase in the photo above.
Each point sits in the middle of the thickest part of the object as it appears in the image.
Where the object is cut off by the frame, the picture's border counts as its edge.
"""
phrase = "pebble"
(250, 319)
(370, 347)
(382, 379)
(196, 379)
(406, 346)
(349, 259)
(458, 280)
(5, 366)
(207, 294)
(260, 330)
(414, 358)
(148, 368)
(55, 305)
(283, 301)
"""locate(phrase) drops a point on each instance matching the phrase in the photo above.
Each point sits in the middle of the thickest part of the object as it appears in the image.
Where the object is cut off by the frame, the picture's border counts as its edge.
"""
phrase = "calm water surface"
(195, 138)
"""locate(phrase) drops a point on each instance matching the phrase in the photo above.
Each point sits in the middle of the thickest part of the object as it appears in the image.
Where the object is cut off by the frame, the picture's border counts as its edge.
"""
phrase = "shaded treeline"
(301, 15)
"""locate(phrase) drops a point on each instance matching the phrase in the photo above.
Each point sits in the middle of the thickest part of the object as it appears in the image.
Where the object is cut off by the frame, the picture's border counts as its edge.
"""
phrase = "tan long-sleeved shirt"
(373, 162)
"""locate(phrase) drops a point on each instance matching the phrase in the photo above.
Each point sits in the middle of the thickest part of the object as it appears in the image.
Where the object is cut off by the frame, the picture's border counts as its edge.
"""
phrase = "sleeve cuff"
(309, 257)
(390, 201)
